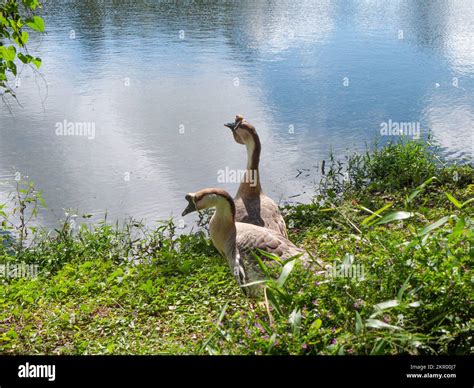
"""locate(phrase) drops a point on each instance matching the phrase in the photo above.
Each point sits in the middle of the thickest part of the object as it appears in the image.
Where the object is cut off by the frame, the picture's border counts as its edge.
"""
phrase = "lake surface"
(156, 81)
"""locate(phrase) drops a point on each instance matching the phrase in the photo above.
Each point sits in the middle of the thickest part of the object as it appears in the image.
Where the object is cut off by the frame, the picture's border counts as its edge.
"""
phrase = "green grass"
(130, 290)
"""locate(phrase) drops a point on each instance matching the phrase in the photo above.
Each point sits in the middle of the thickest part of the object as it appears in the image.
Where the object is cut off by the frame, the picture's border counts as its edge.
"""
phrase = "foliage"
(398, 279)
(396, 166)
(26, 201)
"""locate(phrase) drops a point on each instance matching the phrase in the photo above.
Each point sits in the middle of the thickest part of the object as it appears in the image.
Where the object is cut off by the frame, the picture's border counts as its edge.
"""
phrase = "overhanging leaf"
(419, 189)
(261, 264)
(37, 62)
(36, 23)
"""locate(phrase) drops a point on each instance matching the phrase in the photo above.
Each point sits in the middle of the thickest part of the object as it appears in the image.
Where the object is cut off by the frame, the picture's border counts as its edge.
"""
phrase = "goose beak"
(230, 125)
(191, 206)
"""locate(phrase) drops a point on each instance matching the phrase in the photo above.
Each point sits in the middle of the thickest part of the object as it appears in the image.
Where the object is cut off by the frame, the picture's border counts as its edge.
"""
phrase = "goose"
(252, 205)
(236, 241)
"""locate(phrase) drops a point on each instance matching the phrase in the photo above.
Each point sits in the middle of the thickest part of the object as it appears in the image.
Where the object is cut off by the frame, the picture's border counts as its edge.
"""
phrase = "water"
(329, 71)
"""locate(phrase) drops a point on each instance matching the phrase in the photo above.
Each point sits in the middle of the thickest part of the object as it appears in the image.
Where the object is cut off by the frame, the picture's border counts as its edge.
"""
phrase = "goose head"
(209, 198)
(243, 131)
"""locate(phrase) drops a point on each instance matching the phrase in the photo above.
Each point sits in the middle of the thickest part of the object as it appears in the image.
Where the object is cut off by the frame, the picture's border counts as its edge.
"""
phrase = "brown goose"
(236, 240)
(252, 205)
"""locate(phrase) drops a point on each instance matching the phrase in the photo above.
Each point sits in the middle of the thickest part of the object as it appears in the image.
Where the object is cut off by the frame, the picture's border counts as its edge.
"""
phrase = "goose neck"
(222, 228)
(251, 182)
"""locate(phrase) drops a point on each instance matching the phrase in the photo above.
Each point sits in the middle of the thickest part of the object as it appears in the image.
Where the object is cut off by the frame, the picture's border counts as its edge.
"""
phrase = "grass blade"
(395, 216)
(376, 324)
(454, 201)
(433, 226)
(402, 289)
(288, 267)
(359, 324)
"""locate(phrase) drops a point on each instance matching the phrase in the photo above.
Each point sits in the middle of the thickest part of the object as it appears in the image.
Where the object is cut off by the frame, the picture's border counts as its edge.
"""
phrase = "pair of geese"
(240, 227)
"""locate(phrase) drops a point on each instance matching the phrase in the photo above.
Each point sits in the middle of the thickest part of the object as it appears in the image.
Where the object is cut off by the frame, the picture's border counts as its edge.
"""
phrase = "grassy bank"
(395, 225)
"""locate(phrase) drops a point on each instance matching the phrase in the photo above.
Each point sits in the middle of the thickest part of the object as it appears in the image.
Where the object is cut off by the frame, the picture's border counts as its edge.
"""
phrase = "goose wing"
(251, 237)
(260, 211)
(272, 216)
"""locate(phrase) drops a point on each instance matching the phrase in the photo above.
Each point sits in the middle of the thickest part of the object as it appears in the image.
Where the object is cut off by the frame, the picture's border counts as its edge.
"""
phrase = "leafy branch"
(15, 17)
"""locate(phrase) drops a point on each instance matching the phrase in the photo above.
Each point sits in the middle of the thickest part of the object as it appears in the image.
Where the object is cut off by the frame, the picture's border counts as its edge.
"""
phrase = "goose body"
(252, 205)
(236, 241)
(260, 211)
